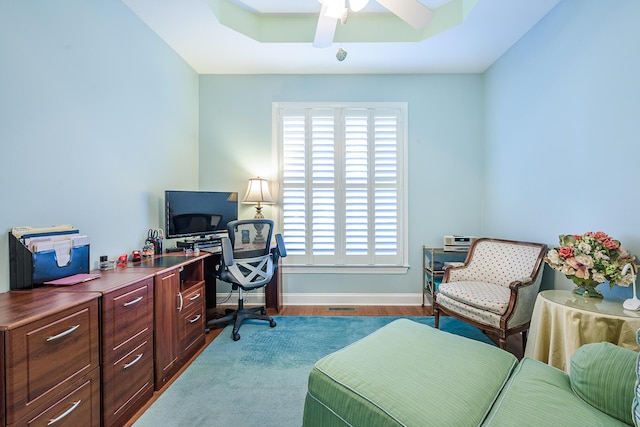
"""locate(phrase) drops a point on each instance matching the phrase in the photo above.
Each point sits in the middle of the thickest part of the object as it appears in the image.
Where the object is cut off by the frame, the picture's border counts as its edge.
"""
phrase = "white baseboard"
(414, 299)
(352, 299)
(250, 298)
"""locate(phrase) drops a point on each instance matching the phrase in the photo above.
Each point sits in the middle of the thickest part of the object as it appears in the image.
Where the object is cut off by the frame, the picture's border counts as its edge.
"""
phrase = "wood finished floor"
(514, 342)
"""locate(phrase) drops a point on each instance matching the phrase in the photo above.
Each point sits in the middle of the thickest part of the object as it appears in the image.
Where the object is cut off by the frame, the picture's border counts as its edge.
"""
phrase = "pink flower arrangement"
(591, 258)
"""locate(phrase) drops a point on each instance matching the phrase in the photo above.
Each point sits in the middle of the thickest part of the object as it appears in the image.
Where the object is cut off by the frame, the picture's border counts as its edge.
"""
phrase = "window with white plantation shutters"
(342, 178)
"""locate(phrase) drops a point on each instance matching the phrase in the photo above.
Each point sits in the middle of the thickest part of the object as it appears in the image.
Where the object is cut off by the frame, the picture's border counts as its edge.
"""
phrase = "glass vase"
(588, 290)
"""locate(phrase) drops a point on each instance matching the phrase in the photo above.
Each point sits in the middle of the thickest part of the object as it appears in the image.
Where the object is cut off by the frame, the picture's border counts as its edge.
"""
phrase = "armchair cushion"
(600, 376)
(485, 296)
(475, 314)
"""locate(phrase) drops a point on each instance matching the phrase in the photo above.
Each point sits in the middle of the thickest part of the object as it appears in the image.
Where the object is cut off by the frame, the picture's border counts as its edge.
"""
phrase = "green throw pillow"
(636, 398)
(604, 376)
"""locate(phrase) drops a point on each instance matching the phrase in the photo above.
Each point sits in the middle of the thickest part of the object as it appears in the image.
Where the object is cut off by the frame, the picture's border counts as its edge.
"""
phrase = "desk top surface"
(605, 307)
(20, 307)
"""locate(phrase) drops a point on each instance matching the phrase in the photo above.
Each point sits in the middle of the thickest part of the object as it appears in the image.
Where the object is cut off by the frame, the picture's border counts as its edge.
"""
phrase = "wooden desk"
(272, 291)
(563, 321)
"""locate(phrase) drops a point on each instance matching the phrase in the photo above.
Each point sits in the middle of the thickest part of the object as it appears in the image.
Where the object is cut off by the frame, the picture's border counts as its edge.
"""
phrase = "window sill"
(344, 269)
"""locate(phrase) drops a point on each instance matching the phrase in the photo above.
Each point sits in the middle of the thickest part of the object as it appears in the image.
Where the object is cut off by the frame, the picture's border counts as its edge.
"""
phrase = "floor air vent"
(341, 309)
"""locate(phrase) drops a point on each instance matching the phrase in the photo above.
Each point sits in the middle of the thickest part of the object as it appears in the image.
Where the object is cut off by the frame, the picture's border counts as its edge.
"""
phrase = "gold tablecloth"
(563, 321)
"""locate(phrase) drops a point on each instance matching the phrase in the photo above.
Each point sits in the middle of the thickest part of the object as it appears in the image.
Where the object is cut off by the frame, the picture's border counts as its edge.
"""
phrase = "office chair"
(248, 262)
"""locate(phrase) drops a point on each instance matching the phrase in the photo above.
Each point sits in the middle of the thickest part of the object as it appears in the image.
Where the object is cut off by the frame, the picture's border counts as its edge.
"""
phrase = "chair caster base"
(236, 317)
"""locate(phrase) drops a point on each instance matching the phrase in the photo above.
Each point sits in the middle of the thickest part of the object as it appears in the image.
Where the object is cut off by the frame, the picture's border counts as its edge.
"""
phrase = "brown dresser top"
(18, 308)
(111, 280)
(107, 282)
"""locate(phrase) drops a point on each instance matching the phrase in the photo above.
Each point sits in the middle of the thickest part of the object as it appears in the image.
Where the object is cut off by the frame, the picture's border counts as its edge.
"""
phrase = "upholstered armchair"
(495, 289)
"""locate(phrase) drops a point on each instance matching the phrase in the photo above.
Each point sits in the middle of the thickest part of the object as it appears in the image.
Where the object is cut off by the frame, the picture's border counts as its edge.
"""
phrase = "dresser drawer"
(45, 356)
(2, 376)
(127, 319)
(80, 407)
(193, 296)
(127, 384)
(192, 330)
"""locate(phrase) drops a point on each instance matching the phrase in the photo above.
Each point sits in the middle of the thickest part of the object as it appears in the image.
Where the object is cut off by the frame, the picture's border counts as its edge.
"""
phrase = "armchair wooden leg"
(436, 317)
(502, 340)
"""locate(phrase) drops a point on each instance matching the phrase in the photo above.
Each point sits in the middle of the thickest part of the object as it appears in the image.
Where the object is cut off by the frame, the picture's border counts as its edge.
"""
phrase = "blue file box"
(28, 269)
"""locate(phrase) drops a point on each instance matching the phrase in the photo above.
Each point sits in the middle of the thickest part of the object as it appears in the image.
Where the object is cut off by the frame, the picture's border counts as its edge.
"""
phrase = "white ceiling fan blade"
(412, 12)
(325, 30)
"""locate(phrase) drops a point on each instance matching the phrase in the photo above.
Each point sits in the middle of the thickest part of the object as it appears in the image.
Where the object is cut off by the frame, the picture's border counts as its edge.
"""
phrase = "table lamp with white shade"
(258, 192)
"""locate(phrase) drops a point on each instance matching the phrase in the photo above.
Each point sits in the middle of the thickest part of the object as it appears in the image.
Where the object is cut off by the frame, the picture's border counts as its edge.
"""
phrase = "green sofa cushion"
(636, 397)
(406, 374)
(603, 375)
(540, 395)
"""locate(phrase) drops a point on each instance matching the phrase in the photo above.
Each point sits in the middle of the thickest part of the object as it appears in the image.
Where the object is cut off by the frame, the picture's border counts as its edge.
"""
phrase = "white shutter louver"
(293, 179)
(386, 181)
(356, 184)
(323, 183)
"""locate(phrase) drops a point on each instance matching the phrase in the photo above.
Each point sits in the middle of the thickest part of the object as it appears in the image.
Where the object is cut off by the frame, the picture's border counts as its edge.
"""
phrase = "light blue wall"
(445, 154)
(97, 117)
(562, 128)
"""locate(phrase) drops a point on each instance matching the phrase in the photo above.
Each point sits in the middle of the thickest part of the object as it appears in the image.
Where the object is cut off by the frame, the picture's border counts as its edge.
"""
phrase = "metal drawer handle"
(134, 361)
(135, 301)
(63, 334)
(65, 413)
(195, 297)
(181, 301)
(195, 319)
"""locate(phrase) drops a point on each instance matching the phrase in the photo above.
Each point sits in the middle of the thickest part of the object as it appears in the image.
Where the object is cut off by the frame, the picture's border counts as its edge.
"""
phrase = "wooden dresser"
(126, 325)
(121, 337)
(179, 314)
(50, 359)
(152, 321)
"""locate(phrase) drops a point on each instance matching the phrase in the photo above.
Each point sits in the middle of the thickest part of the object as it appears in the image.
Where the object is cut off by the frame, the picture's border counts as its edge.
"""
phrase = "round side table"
(563, 321)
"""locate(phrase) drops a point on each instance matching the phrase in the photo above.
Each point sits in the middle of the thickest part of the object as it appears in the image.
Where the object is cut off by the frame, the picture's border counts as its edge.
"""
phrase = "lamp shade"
(258, 192)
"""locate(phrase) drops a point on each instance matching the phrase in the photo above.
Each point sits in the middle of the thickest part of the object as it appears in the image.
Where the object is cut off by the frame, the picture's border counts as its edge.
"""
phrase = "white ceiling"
(192, 29)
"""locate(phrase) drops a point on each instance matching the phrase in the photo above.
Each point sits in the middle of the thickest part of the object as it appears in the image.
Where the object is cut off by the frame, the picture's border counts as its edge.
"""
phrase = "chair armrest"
(517, 284)
(282, 250)
(279, 251)
(523, 296)
(227, 252)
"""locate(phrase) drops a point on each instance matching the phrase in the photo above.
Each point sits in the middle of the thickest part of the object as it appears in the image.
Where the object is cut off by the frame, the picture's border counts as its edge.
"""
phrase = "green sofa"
(410, 374)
